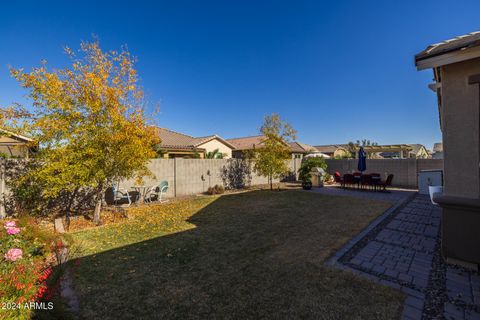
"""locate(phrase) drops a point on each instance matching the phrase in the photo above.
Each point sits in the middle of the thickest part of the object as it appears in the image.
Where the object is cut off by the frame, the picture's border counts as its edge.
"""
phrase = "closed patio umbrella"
(362, 162)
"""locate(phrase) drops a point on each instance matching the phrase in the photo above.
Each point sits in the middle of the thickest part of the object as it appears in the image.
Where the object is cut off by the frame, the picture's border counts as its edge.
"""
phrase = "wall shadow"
(249, 256)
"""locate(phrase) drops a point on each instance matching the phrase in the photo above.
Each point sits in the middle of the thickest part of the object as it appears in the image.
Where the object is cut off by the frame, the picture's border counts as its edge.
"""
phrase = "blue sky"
(336, 70)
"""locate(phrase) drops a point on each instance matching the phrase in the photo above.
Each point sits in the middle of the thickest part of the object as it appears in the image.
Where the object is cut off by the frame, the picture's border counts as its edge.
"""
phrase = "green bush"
(308, 164)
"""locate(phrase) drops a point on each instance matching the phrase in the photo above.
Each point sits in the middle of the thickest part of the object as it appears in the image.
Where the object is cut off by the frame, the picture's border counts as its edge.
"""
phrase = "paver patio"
(401, 249)
(394, 195)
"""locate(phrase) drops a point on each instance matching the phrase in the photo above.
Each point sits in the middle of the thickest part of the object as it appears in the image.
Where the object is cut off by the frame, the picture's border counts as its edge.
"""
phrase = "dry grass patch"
(249, 255)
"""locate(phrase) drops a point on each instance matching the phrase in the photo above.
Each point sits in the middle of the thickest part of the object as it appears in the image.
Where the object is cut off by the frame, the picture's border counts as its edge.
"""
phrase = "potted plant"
(307, 184)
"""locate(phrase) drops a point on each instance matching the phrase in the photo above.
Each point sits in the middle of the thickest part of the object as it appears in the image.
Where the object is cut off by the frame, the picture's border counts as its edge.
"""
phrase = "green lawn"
(251, 255)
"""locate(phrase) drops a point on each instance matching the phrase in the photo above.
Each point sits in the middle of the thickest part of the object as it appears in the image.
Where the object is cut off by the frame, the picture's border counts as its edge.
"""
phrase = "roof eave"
(225, 142)
(423, 62)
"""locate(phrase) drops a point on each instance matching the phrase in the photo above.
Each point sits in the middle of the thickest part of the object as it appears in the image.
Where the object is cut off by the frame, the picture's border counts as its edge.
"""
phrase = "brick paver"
(402, 251)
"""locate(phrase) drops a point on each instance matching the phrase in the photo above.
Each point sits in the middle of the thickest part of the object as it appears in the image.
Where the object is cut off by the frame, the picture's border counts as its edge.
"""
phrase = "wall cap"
(453, 202)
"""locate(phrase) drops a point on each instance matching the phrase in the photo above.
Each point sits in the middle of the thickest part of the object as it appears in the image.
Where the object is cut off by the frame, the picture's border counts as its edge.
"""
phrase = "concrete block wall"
(193, 176)
(405, 171)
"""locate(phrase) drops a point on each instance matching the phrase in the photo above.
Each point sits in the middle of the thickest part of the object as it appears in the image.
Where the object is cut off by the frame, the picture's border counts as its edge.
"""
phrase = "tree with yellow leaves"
(273, 155)
(89, 122)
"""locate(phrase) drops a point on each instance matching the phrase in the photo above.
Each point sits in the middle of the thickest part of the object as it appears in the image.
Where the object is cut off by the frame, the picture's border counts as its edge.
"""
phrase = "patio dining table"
(375, 181)
(358, 180)
(142, 192)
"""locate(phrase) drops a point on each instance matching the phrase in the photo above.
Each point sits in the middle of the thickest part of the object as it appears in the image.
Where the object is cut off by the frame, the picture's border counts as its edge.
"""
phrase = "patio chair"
(375, 178)
(357, 176)
(386, 183)
(158, 192)
(366, 181)
(348, 179)
(338, 178)
(115, 196)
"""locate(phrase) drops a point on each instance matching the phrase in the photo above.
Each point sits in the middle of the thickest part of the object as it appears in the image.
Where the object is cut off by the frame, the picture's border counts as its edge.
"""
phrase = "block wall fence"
(194, 176)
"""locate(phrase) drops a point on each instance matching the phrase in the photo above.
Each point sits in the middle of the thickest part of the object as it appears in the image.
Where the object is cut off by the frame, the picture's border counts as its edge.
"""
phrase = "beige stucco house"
(437, 151)
(178, 145)
(244, 145)
(399, 151)
(15, 145)
(334, 150)
(419, 151)
(456, 71)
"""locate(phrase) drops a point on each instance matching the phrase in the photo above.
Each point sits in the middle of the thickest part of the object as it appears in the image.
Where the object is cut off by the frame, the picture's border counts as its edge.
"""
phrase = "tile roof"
(331, 148)
(177, 140)
(247, 143)
(438, 147)
(458, 43)
(301, 147)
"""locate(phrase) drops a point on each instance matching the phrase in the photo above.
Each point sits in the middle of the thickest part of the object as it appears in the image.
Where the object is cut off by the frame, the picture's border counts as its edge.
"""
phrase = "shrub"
(307, 185)
(219, 189)
(237, 174)
(308, 164)
(216, 189)
(211, 191)
(26, 260)
(27, 198)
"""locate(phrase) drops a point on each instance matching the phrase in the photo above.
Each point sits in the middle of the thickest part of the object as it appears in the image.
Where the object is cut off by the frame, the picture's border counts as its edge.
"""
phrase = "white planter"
(434, 189)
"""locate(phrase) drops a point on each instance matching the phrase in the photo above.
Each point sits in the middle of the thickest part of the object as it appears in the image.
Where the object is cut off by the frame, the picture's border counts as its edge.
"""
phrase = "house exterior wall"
(340, 153)
(460, 119)
(217, 144)
(297, 155)
(183, 154)
(12, 147)
(421, 154)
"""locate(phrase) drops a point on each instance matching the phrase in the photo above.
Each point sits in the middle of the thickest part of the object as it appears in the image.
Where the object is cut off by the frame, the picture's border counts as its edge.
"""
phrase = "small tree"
(89, 122)
(274, 152)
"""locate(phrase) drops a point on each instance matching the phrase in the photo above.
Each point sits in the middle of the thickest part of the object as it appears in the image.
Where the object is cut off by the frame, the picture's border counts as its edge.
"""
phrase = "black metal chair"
(386, 183)
(348, 179)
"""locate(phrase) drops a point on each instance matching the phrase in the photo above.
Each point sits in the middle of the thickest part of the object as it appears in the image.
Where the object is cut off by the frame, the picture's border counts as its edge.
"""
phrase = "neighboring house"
(418, 151)
(300, 150)
(392, 151)
(334, 150)
(178, 145)
(400, 151)
(15, 145)
(437, 151)
(456, 70)
(244, 145)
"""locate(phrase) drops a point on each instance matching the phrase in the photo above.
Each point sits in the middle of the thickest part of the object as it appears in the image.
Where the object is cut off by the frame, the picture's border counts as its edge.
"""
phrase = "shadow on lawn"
(252, 255)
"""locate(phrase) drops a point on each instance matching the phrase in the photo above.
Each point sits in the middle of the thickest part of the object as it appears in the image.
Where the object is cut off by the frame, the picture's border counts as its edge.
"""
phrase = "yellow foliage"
(89, 121)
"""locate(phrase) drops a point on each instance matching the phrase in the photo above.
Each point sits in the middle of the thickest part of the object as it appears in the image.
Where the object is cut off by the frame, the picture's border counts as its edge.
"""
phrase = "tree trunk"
(271, 182)
(69, 208)
(98, 206)
(96, 212)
